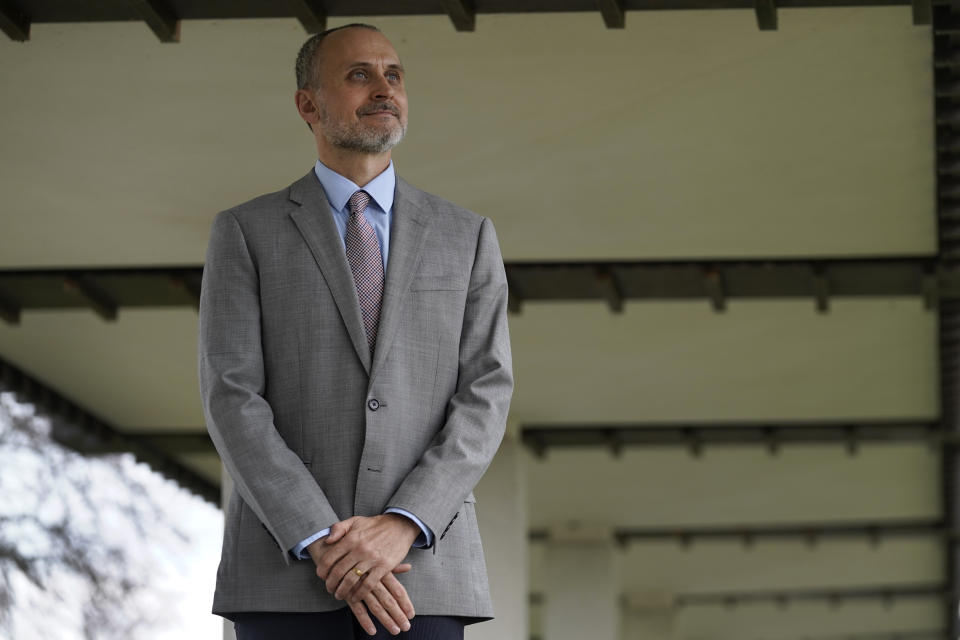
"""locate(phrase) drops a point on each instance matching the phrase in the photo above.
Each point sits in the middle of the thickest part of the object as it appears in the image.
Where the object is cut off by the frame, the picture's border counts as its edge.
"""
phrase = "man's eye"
(394, 76)
(360, 75)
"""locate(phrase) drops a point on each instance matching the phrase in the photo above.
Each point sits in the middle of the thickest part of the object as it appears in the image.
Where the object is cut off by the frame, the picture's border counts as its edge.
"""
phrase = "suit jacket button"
(373, 404)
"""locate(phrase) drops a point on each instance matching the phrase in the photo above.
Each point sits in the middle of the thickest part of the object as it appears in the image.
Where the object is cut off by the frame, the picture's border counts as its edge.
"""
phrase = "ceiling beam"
(189, 285)
(810, 532)
(898, 634)
(613, 13)
(311, 14)
(175, 442)
(99, 300)
(835, 596)
(78, 428)
(462, 13)
(821, 289)
(766, 11)
(922, 12)
(9, 308)
(13, 21)
(719, 281)
(610, 289)
(716, 291)
(540, 438)
(946, 59)
(160, 17)
(514, 295)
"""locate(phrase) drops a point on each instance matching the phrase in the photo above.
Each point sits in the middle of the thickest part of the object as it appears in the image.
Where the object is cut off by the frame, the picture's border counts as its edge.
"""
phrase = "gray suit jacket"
(313, 430)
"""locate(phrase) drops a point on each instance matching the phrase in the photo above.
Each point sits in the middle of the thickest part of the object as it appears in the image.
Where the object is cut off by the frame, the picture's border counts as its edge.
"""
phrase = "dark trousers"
(338, 625)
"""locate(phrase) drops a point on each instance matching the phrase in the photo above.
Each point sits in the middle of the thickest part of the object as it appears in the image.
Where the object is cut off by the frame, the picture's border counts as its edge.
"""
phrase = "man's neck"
(360, 168)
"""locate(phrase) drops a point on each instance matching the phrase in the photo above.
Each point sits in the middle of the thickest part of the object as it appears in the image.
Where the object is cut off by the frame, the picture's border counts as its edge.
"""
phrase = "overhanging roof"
(163, 16)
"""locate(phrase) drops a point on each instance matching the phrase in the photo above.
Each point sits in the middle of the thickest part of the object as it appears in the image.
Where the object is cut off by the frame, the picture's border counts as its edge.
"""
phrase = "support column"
(650, 615)
(582, 593)
(226, 488)
(502, 516)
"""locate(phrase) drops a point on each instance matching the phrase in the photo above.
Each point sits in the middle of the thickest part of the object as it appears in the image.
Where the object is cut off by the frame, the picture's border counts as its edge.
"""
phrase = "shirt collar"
(339, 189)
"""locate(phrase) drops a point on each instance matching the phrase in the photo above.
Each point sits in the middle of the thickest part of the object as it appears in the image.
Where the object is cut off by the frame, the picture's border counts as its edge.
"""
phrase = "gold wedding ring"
(359, 572)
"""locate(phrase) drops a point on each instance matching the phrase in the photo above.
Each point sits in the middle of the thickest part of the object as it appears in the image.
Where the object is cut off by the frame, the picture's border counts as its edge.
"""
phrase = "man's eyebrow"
(370, 65)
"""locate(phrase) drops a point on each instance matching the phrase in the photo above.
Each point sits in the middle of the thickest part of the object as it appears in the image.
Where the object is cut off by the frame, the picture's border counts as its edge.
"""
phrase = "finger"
(360, 613)
(402, 568)
(331, 556)
(391, 584)
(339, 571)
(358, 589)
(381, 614)
(338, 530)
(389, 603)
(350, 581)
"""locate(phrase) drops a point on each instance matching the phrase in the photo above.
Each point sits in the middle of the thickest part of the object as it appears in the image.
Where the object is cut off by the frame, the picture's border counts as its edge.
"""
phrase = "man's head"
(350, 90)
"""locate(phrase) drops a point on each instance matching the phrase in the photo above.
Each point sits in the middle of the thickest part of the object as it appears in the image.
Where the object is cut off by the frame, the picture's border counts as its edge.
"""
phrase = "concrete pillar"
(226, 488)
(502, 516)
(649, 615)
(581, 593)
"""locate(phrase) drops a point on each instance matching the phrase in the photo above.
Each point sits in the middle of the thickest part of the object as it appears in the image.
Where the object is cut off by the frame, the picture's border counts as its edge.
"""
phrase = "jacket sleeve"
(268, 475)
(460, 453)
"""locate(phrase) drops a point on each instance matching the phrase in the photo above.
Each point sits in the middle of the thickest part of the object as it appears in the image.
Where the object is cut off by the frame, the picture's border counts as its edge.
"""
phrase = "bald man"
(355, 373)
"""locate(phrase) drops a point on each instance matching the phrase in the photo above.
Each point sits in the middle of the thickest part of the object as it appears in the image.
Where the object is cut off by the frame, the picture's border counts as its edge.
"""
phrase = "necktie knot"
(358, 202)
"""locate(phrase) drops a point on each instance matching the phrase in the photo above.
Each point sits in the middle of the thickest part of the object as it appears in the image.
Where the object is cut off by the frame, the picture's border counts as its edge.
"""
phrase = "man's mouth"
(380, 109)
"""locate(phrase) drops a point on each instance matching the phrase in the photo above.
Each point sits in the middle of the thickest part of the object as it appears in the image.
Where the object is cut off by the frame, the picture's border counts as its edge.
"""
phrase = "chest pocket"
(451, 282)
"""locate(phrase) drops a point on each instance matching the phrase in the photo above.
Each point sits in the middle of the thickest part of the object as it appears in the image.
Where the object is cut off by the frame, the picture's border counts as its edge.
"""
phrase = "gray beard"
(360, 139)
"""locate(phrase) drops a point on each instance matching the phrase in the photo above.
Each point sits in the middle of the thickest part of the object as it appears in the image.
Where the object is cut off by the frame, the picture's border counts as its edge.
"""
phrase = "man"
(355, 374)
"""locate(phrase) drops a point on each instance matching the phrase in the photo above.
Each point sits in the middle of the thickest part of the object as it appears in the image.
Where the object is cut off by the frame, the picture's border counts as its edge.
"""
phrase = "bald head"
(308, 59)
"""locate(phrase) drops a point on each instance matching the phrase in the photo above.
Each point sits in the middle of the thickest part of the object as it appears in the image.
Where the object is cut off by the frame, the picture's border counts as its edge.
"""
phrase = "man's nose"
(382, 88)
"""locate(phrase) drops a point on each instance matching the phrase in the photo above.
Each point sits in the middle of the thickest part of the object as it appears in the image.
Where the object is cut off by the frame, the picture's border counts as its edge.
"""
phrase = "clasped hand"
(358, 561)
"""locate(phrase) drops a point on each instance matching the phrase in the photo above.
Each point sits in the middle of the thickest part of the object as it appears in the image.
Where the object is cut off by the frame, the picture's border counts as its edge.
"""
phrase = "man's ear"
(306, 107)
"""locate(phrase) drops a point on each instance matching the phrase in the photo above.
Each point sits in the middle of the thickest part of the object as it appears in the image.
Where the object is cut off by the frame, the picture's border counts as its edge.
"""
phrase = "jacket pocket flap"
(438, 283)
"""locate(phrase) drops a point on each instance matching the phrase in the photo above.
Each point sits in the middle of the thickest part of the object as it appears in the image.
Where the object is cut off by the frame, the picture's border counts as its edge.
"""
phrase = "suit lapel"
(407, 233)
(316, 225)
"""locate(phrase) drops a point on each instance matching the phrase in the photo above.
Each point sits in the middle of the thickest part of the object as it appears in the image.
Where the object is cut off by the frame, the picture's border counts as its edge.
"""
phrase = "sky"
(176, 555)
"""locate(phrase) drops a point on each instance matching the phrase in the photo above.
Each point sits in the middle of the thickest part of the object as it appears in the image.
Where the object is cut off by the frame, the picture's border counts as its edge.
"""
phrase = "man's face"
(361, 100)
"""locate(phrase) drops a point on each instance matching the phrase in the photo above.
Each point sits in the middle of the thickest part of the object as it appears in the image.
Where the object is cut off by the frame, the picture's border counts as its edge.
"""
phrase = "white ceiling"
(669, 138)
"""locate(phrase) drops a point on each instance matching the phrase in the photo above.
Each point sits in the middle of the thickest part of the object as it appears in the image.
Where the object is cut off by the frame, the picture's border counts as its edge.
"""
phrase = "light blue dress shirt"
(379, 213)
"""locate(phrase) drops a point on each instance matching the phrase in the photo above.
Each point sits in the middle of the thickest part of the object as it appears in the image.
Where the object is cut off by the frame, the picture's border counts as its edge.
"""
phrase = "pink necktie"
(366, 262)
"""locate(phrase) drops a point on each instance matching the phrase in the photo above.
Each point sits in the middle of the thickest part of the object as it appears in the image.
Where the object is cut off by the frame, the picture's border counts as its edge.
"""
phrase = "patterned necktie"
(366, 262)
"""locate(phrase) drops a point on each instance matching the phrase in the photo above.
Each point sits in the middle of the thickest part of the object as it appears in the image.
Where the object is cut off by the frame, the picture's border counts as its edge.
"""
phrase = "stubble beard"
(360, 137)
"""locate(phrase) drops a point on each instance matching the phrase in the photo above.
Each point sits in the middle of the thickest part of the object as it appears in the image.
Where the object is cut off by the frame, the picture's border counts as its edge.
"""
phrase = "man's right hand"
(388, 601)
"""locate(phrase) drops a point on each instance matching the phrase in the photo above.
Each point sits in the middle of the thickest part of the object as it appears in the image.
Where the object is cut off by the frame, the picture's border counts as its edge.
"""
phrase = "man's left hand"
(371, 545)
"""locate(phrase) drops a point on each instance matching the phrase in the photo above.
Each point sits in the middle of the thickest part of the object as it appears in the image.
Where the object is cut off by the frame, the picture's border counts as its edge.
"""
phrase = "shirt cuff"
(299, 551)
(425, 539)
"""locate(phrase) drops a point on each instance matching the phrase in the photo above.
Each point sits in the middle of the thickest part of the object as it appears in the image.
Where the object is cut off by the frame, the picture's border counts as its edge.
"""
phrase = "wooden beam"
(462, 13)
(766, 14)
(931, 289)
(9, 308)
(75, 426)
(14, 22)
(185, 284)
(175, 442)
(610, 287)
(160, 18)
(514, 294)
(922, 12)
(821, 289)
(99, 300)
(311, 14)
(715, 289)
(613, 14)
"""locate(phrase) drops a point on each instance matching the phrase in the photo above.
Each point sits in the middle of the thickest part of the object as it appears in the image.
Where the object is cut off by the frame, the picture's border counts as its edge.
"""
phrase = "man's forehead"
(359, 46)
